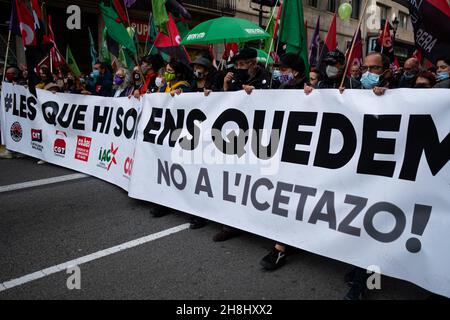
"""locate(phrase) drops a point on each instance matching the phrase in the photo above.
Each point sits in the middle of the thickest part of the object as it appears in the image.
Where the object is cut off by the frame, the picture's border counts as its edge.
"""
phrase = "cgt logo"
(59, 146)
(36, 135)
(107, 157)
(128, 166)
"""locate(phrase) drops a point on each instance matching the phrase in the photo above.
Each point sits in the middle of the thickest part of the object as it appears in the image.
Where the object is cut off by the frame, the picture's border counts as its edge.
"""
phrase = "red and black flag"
(36, 42)
(431, 22)
(170, 43)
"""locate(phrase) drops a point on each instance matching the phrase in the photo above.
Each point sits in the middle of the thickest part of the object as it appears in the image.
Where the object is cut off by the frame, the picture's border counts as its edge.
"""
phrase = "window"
(356, 5)
(312, 3)
(383, 12)
(332, 5)
(403, 20)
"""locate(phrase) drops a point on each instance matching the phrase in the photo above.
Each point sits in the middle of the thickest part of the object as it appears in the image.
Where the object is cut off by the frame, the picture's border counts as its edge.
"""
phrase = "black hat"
(293, 61)
(333, 57)
(245, 54)
(201, 61)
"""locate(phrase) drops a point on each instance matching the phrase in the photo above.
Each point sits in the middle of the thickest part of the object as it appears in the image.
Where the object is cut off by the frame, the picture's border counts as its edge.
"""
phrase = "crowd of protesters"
(243, 72)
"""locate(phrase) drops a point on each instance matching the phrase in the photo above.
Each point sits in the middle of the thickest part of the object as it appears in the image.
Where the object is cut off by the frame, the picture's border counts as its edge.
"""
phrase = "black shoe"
(225, 234)
(274, 260)
(356, 292)
(197, 223)
(159, 211)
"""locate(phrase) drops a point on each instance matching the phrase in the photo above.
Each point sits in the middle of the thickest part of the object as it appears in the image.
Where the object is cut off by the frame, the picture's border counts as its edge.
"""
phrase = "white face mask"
(159, 82)
(332, 71)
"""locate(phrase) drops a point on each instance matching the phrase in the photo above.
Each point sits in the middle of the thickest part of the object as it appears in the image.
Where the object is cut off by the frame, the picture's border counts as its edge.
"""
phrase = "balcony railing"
(220, 6)
(226, 7)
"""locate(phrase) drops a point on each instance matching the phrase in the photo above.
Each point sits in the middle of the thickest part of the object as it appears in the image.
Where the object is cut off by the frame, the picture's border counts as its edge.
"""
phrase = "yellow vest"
(170, 87)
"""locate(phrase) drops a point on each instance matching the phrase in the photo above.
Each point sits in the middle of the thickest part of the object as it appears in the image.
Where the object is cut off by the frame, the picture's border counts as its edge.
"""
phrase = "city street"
(51, 222)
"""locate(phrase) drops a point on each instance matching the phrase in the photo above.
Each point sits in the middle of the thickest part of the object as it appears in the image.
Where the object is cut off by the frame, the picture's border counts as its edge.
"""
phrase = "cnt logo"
(16, 132)
(59, 146)
(107, 157)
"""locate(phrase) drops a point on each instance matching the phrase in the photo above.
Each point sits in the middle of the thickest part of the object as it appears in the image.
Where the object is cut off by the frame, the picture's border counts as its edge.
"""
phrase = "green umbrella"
(224, 29)
(263, 56)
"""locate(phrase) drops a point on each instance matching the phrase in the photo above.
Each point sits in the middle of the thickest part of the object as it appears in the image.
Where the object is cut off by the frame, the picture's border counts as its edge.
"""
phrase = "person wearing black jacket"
(292, 76)
(247, 74)
(335, 66)
(206, 77)
(101, 81)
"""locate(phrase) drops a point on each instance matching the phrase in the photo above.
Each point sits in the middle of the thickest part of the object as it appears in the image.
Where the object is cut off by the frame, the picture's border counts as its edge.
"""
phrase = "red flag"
(357, 53)
(417, 54)
(395, 65)
(121, 12)
(330, 40)
(26, 22)
(57, 58)
(385, 39)
(231, 49)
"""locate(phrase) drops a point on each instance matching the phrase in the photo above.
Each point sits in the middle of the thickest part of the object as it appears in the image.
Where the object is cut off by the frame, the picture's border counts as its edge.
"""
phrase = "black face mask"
(422, 86)
(70, 82)
(137, 77)
(242, 75)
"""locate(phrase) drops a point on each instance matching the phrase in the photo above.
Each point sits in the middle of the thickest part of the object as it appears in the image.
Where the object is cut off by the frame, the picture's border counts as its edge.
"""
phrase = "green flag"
(104, 52)
(160, 14)
(117, 30)
(72, 63)
(292, 30)
(92, 48)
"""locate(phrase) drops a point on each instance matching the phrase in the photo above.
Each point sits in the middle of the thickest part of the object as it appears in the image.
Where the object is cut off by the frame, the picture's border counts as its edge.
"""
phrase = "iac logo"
(107, 157)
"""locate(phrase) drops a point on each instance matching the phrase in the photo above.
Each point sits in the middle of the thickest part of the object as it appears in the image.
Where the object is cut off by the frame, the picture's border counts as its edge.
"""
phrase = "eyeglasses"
(312, 79)
(370, 68)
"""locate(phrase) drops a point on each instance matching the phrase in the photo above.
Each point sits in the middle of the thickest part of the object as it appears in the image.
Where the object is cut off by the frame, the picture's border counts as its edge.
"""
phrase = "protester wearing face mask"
(122, 83)
(376, 73)
(425, 80)
(292, 76)
(410, 70)
(247, 75)
(443, 73)
(206, 77)
(177, 76)
(101, 80)
(12, 75)
(335, 67)
(149, 67)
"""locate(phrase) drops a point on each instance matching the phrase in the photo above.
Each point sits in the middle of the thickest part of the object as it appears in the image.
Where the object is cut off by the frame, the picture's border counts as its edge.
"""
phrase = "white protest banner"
(355, 177)
(93, 135)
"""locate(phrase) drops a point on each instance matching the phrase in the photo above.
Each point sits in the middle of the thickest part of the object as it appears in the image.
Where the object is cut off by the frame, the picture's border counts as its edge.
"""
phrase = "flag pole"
(353, 42)
(6, 56)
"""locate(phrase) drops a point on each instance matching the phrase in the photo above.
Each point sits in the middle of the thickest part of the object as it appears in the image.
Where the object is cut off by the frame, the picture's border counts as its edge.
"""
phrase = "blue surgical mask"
(409, 75)
(95, 73)
(286, 77)
(442, 75)
(276, 74)
(370, 80)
